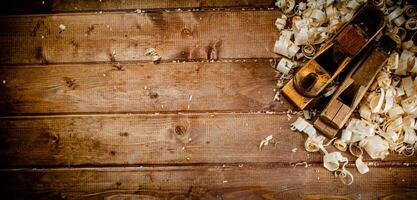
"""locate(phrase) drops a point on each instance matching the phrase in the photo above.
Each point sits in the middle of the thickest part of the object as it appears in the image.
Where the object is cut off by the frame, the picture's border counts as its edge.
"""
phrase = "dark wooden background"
(76, 125)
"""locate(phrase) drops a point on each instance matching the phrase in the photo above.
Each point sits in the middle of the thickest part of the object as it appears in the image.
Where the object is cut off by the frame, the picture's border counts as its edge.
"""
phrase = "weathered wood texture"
(166, 87)
(176, 36)
(206, 182)
(154, 139)
(148, 139)
(54, 6)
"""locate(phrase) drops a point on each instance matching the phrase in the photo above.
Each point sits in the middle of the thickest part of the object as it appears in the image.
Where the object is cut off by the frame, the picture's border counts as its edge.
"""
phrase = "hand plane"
(331, 60)
(353, 88)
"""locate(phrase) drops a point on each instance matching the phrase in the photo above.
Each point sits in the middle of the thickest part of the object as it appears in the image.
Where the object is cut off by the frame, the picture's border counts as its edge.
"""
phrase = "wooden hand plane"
(353, 88)
(317, 73)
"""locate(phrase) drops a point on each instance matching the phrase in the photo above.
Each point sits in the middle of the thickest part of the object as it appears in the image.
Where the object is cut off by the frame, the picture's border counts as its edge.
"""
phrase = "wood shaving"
(303, 126)
(284, 66)
(61, 28)
(331, 160)
(286, 5)
(281, 22)
(153, 54)
(306, 165)
(345, 176)
(410, 10)
(375, 146)
(265, 141)
(340, 145)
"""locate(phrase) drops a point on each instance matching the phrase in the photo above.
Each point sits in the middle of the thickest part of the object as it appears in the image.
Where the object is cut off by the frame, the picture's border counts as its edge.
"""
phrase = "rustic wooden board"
(93, 37)
(140, 87)
(148, 139)
(54, 6)
(154, 139)
(206, 182)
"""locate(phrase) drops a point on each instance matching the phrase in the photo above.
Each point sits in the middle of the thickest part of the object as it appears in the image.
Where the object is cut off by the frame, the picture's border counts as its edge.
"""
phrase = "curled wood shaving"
(314, 144)
(394, 14)
(403, 62)
(409, 105)
(360, 129)
(411, 24)
(284, 66)
(285, 46)
(410, 10)
(375, 146)
(355, 150)
(301, 164)
(376, 102)
(389, 99)
(286, 5)
(308, 51)
(399, 21)
(346, 135)
(341, 145)
(265, 141)
(393, 61)
(331, 160)
(62, 28)
(365, 112)
(383, 79)
(281, 22)
(345, 176)
(410, 136)
(361, 166)
(303, 126)
(153, 54)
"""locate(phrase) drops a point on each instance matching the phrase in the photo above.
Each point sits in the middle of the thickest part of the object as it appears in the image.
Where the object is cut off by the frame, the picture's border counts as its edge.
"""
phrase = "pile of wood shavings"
(389, 109)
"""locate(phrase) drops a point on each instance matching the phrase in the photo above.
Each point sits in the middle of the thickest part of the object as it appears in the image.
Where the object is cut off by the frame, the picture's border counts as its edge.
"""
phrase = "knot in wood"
(71, 83)
(185, 32)
(124, 134)
(180, 130)
(153, 95)
(54, 137)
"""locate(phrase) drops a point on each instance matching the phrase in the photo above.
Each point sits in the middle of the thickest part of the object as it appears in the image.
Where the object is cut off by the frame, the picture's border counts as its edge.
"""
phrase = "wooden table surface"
(76, 125)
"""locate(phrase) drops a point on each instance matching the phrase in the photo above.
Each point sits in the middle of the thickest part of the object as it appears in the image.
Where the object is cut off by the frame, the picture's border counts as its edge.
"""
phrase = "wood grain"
(109, 140)
(148, 139)
(56, 6)
(206, 182)
(93, 37)
(167, 87)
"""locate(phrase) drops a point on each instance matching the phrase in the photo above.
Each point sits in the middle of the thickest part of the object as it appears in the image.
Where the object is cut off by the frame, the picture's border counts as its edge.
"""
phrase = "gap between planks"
(267, 61)
(54, 6)
(144, 166)
(145, 11)
(141, 114)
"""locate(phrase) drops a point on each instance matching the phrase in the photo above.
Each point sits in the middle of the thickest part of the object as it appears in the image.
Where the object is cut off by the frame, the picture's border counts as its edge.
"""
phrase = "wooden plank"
(175, 35)
(206, 182)
(54, 6)
(139, 87)
(154, 139)
(148, 139)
